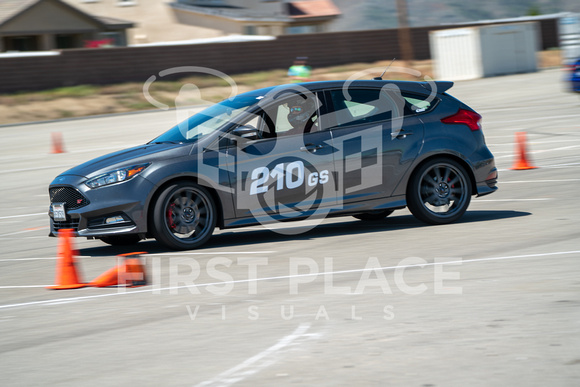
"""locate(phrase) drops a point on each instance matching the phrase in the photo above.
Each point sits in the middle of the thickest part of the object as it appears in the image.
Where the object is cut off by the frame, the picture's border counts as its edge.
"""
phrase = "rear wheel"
(184, 216)
(374, 215)
(439, 192)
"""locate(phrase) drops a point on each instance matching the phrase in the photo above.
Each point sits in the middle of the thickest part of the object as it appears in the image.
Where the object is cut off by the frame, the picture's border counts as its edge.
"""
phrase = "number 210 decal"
(290, 176)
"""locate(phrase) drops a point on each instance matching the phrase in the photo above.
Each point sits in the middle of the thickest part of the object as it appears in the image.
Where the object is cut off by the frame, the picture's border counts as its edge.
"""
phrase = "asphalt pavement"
(493, 300)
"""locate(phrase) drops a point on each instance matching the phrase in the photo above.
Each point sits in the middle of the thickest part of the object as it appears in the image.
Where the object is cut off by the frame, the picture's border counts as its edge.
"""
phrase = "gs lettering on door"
(286, 176)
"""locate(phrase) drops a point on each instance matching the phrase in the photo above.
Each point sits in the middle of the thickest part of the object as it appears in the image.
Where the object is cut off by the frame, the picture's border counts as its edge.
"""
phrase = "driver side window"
(262, 122)
(282, 124)
(288, 115)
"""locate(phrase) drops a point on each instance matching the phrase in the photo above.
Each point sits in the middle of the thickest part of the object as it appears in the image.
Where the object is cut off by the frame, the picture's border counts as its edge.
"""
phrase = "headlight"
(115, 176)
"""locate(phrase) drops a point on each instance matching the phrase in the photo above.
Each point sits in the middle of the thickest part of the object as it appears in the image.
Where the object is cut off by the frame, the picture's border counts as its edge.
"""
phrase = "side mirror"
(246, 132)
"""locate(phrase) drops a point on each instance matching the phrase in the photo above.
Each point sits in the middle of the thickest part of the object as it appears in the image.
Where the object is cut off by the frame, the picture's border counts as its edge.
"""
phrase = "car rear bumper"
(486, 176)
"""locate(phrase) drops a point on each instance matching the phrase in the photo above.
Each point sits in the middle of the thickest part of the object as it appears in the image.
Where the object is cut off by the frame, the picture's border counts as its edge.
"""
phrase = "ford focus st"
(291, 152)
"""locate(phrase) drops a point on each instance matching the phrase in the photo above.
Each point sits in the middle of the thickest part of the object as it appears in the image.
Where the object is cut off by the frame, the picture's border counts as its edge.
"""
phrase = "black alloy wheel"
(439, 192)
(184, 216)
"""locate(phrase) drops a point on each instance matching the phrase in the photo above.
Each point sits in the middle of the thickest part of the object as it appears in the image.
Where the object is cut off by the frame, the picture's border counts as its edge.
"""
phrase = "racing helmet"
(300, 110)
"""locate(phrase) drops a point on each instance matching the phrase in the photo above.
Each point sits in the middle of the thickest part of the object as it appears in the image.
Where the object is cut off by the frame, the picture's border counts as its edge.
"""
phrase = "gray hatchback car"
(284, 153)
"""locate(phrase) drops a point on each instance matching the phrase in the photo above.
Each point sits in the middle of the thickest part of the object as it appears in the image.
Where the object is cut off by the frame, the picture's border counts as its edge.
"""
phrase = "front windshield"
(208, 120)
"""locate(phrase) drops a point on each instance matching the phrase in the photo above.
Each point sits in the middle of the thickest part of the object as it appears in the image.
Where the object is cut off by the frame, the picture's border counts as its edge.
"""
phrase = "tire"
(374, 215)
(439, 192)
(121, 240)
(184, 216)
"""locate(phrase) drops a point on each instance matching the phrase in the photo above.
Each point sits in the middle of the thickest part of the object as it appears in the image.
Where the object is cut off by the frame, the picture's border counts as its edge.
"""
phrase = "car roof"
(408, 86)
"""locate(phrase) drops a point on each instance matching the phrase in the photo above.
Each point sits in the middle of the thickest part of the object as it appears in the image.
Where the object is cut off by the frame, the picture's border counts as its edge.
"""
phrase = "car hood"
(140, 154)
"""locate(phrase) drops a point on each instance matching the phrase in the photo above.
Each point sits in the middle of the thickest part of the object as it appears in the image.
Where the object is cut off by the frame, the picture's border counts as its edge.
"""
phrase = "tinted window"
(288, 114)
(418, 104)
(356, 106)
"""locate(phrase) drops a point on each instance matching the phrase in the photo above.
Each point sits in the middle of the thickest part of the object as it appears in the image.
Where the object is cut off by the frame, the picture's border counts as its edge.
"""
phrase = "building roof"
(10, 9)
(112, 22)
(312, 8)
(233, 13)
(290, 12)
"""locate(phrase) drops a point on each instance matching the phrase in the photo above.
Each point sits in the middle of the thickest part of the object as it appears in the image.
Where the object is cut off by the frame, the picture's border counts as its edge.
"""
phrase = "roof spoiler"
(437, 86)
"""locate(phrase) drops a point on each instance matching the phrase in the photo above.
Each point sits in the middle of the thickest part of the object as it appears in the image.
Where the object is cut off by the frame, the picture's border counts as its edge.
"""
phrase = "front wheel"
(184, 216)
(439, 192)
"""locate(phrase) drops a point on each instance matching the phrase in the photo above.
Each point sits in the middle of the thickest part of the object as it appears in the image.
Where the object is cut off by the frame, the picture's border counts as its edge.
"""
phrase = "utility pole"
(405, 44)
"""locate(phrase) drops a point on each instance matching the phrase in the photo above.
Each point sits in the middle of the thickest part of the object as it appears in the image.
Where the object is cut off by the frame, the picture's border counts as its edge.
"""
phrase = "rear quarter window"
(416, 104)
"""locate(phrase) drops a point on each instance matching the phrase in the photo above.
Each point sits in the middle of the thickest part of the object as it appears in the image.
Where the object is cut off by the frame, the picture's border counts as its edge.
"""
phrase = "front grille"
(72, 224)
(73, 198)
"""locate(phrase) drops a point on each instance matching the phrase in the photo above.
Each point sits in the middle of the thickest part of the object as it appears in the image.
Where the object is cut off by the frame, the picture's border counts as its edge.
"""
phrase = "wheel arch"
(449, 156)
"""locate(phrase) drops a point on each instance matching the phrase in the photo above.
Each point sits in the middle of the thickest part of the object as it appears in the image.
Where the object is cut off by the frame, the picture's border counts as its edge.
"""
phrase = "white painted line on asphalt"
(535, 152)
(536, 142)
(150, 289)
(555, 149)
(510, 200)
(538, 181)
(32, 157)
(511, 109)
(529, 134)
(214, 253)
(20, 216)
(32, 259)
(37, 168)
(19, 232)
(554, 166)
(24, 286)
(22, 238)
(567, 165)
(107, 148)
(3, 236)
(531, 119)
(257, 362)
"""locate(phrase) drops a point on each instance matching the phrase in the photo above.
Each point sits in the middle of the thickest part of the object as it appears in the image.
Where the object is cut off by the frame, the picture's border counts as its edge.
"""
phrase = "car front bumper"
(110, 210)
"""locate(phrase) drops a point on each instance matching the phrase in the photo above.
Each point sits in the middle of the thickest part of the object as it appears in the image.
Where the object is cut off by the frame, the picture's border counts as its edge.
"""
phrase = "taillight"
(466, 117)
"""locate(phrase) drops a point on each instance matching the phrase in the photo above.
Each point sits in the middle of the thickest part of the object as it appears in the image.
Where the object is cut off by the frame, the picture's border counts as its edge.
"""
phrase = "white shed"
(569, 30)
(478, 52)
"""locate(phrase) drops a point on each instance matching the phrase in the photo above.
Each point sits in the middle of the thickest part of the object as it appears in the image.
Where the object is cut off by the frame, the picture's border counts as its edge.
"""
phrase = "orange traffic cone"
(522, 160)
(66, 273)
(134, 274)
(57, 146)
(108, 278)
(130, 273)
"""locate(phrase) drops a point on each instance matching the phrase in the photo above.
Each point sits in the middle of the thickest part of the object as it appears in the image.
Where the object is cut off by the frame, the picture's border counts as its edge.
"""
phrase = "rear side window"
(361, 106)
(357, 106)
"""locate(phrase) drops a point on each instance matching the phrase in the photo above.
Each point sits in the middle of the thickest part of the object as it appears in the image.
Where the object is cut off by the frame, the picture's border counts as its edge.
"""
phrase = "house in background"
(258, 17)
(42, 25)
(154, 20)
(173, 20)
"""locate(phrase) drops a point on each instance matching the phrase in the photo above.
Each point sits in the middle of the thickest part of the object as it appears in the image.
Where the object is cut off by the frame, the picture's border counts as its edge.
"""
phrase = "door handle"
(311, 148)
(401, 134)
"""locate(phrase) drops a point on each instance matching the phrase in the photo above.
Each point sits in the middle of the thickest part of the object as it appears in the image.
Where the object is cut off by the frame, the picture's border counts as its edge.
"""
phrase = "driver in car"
(301, 115)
